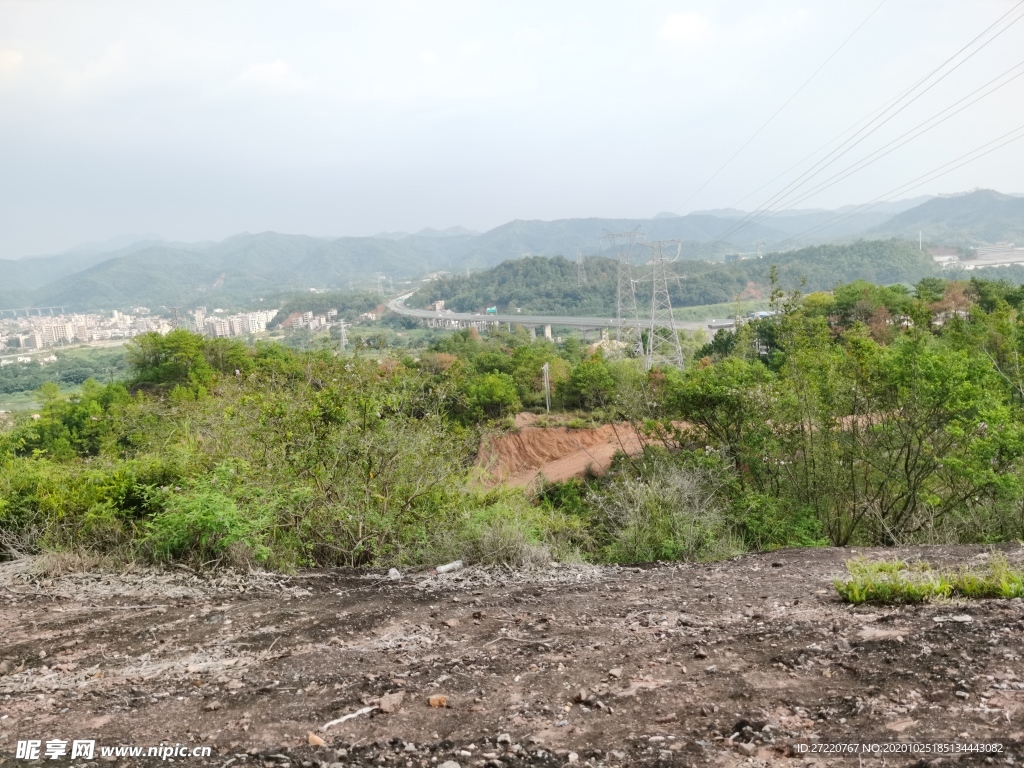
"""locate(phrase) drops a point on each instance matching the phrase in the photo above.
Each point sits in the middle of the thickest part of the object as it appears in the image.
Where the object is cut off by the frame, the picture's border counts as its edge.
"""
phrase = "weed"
(894, 582)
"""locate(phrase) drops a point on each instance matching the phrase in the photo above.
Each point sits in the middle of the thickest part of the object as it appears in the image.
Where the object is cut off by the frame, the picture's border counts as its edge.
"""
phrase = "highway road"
(398, 306)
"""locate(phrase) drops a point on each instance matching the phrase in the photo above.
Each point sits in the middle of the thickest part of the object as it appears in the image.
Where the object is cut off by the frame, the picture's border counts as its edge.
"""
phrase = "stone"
(747, 749)
(313, 740)
(438, 700)
(615, 672)
(504, 738)
(572, 757)
(449, 764)
(451, 623)
(391, 702)
(582, 695)
(5, 668)
(842, 644)
(394, 574)
(700, 653)
(669, 718)
(213, 706)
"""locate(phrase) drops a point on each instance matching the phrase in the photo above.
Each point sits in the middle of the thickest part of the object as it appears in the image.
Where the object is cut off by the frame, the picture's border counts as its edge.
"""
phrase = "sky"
(198, 120)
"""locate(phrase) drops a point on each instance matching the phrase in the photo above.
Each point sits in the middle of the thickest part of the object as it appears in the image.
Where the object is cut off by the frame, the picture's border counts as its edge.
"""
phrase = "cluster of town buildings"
(310, 320)
(37, 331)
(241, 324)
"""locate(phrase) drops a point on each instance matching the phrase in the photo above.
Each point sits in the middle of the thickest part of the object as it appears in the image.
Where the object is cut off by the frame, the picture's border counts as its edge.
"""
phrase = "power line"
(899, 141)
(764, 211)
(931, 175)
(779, 110)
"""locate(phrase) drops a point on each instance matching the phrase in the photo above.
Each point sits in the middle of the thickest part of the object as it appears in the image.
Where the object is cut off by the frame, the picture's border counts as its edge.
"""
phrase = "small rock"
(438, 700)
(313, 740)
(394, 574)
(390, 702)
(700, 653)
(669, 718)
(504, 738)
(5, 668)
(962, 694)
(213, 706)
(572, 757)
(449, 764)
(747, 749)
(842, 644)
(582, 695)
(615, 672)
(410, 747)
(452, 623)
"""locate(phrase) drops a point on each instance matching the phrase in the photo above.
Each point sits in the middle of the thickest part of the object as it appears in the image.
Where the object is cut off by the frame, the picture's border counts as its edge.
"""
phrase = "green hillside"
(550, 286)
(985, 216)
(249, 266)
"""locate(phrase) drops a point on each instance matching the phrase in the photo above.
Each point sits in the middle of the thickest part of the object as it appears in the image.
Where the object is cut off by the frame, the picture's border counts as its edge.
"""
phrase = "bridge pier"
(547, 332)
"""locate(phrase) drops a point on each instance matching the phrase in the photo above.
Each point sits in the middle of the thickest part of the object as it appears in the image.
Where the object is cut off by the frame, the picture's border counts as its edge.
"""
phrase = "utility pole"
(581, 270)
(547, 386)
(625, 294)
(663, 347)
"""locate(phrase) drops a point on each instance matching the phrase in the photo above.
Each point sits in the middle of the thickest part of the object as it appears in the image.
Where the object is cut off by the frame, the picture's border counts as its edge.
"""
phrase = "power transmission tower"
(627, 319)
(663, 347)
(342, 335)
(581, 270)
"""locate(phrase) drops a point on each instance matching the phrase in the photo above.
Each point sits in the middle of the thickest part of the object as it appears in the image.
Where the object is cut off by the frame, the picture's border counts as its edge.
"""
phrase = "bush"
(204, 525)
(668, 513)
(492, 396)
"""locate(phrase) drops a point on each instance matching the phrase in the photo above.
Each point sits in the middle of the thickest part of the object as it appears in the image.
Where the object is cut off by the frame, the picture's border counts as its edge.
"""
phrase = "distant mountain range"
(157, 273)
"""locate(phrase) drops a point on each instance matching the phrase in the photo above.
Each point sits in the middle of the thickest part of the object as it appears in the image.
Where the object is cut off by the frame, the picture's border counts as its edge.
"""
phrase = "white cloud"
(10, 61)
(276, 74)
(471, 49)
(690, 28)
(428, 57)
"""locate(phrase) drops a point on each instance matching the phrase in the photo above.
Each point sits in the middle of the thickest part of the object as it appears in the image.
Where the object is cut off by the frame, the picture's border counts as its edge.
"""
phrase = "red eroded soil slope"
(556, 453)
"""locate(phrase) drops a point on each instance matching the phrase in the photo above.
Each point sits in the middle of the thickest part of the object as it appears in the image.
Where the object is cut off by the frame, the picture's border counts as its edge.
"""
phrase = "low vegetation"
(896, 582)
(870, 415)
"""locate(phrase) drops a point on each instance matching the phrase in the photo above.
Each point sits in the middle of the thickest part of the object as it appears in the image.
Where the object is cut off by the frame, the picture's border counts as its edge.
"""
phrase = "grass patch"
(896, 582)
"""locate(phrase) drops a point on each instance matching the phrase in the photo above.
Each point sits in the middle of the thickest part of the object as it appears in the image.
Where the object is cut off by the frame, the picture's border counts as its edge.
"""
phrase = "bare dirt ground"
(521, 459)
(745, 662)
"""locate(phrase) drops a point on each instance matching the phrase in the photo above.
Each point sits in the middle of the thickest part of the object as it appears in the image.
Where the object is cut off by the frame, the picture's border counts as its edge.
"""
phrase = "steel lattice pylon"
(627, 318)
(663, 347)
(581, 270)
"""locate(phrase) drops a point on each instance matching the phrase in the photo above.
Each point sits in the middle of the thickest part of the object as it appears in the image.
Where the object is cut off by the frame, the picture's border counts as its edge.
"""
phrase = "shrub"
(669, 513)
(204, 525)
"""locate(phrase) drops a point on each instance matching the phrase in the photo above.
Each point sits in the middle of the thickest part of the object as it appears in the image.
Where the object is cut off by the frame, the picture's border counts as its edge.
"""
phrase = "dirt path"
(741, 662)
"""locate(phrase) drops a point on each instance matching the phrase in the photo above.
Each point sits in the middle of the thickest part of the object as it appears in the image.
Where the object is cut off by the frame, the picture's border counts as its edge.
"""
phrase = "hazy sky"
(197, 120)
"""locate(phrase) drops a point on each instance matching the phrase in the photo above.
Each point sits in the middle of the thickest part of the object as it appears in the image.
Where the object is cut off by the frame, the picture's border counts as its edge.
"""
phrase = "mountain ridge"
(247, 265)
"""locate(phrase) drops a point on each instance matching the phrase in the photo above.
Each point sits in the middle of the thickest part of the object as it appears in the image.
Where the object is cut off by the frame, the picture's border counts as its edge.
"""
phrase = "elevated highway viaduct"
(433, 318)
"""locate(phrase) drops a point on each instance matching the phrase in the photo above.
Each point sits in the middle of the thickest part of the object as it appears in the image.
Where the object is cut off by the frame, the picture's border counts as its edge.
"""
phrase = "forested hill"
(550, 285)
(246, 267)
(983, 216)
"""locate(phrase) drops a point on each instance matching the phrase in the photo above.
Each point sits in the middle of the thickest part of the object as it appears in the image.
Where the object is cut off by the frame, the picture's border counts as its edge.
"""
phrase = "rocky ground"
(753, 661)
